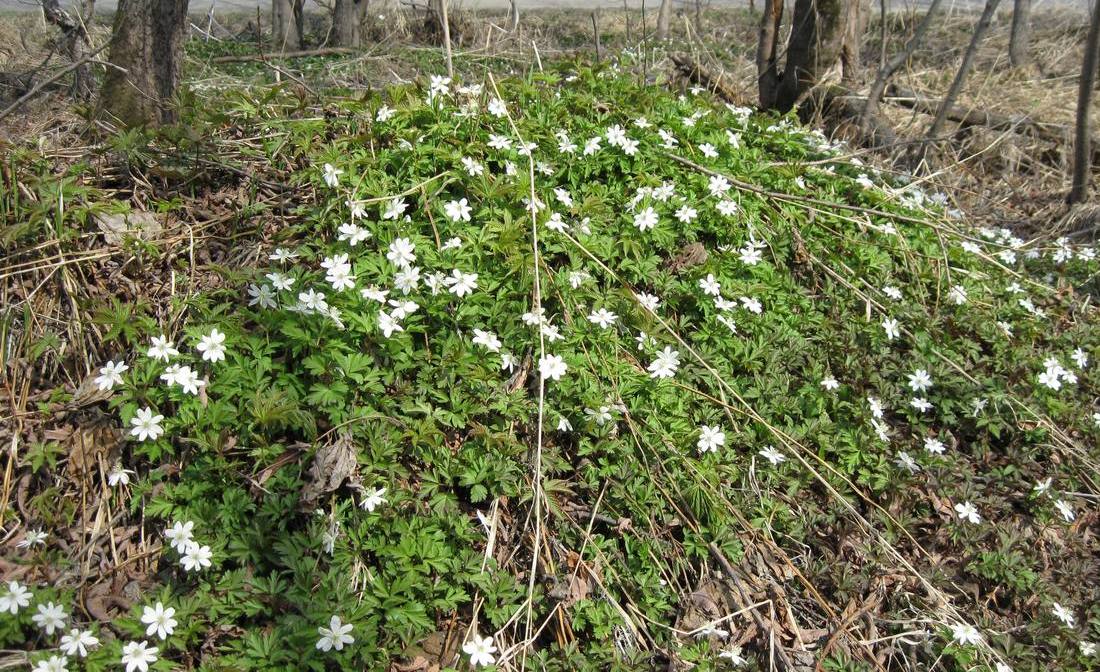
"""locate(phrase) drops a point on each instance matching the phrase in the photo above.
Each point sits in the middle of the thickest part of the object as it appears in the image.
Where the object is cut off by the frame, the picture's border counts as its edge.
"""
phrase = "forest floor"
(890, 471)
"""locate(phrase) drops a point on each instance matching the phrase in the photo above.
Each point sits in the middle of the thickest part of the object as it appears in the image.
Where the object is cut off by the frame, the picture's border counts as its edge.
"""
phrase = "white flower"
(262, 295)
(919, 380)
(138, 656)
(957, 295)
(556, 222)
(646, 219)
(160, 621)
(473, 167)
(1043, 486)
(710, 285)
(508, 362)
(405, 280)
(686, 214)
(162, 349)
(212, 346)
(497, 107)
(830, 383)
(33, 538)
(727, 208)
(404, 308)
(118, 476)
(487, 339)
(180, 536)
(708, 150)
(372, 499)
(196, 557)
(552, 367)
(1066, 510)
(1062, 614)
(401, 252)
(876, 407)
(920, 403)
(752, 305)
(892, 292)
(934, 445)
(890, 325)
(52, 664)
(733, 654)
(332, 175)
(1050, 379)
(710, 439)
(460, 283)
(648, 301)
(964, 634)
(905, 461)
(1080, 358)
(968, 512)
(451, 244)
(718, 185)
(50, 617)
(772, 455)
(15, 598)
(1087, 648)
(278, 281)
(335, 636)
(388, 324)
(603, 317)
(146, 425)
(281, 254)
(666, 364)
(592, 146)
(499, 141)
(385, 113)
(458, 211)
(110, 375)
(395, 208)
(352, 233)
(480, 650)
(189, 380)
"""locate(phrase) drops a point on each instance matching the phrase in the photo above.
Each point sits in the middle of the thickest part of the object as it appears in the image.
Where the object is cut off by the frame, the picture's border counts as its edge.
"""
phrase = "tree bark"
(147, 50)
(1020, 38)
(347, 22)
(870, 109)
(513, 13)
(1082, 154)
(284, 26)
(964, 68)
(767, 44)
(822, 31)
(300, 22)
(74, 42)
(663, 16)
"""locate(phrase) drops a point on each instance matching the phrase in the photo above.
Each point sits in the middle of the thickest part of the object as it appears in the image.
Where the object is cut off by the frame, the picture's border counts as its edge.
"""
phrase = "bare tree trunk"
(767, 67)
(821, 32)
(513, 13)
(284, 27)
(663, 16)
(855, 15)
(347, 22)
(870, 110)
(964, 68)
(300, 22)
(446, 21)
(1082, 154)
(74, 42)
(147, 48)
(1020, 39)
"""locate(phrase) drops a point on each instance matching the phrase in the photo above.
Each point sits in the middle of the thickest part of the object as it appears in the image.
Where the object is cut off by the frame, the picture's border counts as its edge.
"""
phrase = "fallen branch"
(326, 51)
(50, 80)
(699, 74)
(1055, 133)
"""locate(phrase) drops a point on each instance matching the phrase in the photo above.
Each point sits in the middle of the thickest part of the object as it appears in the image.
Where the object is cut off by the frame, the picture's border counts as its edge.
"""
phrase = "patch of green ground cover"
(391, 432)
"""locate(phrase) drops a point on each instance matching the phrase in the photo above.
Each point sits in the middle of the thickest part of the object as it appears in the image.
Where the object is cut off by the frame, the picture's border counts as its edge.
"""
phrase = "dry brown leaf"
(334, 463)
